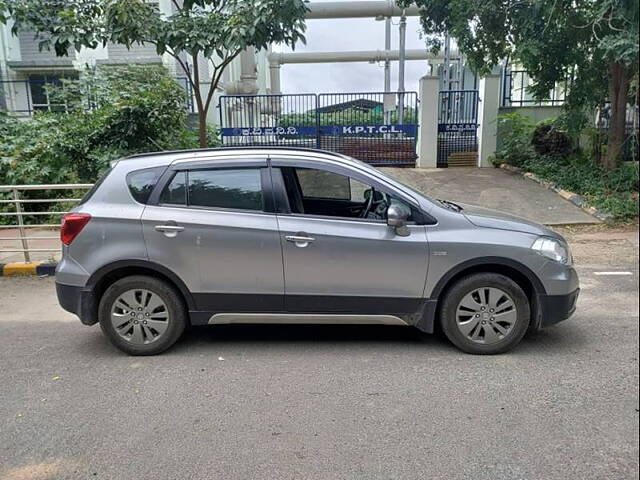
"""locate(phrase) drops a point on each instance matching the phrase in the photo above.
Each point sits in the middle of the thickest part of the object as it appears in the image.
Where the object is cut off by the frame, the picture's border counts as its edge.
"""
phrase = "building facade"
(25, 69)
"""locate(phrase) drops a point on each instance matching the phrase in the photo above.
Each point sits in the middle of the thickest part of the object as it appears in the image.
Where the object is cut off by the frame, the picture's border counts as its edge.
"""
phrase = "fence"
(515, 94)
(630, 147)
(375, 127)
(457, 128)
(25, 219)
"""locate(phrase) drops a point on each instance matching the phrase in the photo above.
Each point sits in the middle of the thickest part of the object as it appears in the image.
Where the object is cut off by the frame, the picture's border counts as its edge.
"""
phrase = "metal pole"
(446, 63)
(401, 48)
(21, 229)
(387, 64)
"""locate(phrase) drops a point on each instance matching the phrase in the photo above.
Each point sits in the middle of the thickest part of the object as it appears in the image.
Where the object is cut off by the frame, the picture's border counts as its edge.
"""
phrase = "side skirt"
(302, 318)
(302, 309)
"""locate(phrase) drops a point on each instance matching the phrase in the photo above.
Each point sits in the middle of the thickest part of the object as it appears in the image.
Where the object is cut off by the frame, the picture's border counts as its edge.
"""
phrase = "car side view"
(283, 235)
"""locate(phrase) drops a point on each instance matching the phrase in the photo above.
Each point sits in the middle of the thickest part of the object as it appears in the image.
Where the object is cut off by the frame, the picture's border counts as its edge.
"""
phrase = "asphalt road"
(301, 402)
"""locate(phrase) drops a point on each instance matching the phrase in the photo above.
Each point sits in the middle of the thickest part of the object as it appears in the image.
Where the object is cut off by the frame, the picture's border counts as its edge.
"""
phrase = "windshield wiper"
(450, 205)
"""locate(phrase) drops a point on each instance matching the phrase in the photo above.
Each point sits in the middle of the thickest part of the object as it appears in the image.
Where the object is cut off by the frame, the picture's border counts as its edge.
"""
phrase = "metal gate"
(458, 128)
(270, 120)
(377, 128)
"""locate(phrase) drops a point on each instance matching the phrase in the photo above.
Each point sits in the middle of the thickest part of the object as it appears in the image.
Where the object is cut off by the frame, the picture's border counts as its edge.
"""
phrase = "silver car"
(281, 235)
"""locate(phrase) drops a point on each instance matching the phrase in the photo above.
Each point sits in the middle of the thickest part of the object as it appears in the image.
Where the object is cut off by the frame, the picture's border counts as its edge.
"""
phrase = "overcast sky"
(348, 35)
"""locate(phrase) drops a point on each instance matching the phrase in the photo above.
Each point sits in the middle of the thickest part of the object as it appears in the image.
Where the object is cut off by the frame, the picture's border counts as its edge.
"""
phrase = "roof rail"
(238, 147)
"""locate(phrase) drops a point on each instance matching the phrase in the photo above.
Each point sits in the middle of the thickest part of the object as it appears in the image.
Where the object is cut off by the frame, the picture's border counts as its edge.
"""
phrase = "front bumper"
(79, 301)
(556, 308)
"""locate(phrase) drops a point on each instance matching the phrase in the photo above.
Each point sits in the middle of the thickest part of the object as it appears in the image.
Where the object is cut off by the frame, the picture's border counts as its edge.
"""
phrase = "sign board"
(334, 130)
(268, 131)
(389, 102)
(457, 127)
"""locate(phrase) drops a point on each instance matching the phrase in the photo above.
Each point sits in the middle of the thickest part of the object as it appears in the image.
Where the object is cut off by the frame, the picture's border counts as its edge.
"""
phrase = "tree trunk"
(202, 127)
(618, 92)
(202, 110)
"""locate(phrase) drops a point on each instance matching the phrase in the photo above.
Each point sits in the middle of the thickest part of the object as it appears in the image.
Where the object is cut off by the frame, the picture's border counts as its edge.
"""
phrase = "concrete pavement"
(494, 188)
(305, 402)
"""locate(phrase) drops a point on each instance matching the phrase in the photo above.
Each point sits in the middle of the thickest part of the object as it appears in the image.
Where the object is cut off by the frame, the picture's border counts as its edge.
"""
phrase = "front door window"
(320, 192)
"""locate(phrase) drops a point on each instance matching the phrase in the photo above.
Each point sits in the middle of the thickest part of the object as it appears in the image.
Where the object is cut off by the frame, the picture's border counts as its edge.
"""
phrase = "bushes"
(551, 141)
(615, 192)
(516, 148)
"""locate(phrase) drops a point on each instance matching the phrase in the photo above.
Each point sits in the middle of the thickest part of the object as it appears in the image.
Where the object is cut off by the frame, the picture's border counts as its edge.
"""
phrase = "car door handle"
(169, 231)
(168, 228)
(299, 240)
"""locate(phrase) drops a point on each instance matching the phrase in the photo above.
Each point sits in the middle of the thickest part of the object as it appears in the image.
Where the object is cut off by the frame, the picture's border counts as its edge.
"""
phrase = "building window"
(40, 96)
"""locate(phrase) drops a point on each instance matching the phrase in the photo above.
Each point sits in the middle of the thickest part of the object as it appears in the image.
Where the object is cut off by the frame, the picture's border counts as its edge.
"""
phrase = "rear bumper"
(79, 301)
(556, 308)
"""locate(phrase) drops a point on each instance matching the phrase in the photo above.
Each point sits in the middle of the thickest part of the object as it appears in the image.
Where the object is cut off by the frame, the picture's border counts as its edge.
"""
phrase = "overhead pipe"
(281, 58)
(248, 82)
(324, 10)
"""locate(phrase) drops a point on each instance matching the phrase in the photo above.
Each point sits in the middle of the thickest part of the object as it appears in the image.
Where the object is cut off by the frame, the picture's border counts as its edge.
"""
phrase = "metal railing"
(379, 128)
(515, 93)
(26, 219)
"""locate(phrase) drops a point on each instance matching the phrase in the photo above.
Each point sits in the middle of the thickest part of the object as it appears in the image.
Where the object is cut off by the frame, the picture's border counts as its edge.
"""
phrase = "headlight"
(554, 249)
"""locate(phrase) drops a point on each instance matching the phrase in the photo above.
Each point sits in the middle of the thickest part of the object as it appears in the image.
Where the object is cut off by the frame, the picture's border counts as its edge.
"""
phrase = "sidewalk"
(9, 257)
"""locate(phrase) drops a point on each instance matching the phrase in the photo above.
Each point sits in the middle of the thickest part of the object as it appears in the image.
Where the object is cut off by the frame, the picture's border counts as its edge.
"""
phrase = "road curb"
(27, 268)
(578, 200)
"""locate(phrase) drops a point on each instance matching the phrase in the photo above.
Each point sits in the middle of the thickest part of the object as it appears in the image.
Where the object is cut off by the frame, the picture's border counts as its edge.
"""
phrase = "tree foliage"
(214, 29)
(594, 43)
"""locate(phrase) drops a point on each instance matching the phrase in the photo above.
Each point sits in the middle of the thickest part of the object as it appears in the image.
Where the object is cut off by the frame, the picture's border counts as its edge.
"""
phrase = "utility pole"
(446, 86)
(401, 48)
(446, 63)
(387, 67)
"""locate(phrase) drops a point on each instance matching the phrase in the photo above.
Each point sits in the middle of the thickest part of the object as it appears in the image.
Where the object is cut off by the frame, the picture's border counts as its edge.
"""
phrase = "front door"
(211, 226)
(339, 254)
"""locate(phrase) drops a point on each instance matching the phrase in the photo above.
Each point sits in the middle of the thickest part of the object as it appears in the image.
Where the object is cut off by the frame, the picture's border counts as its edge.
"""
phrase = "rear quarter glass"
(142, 182)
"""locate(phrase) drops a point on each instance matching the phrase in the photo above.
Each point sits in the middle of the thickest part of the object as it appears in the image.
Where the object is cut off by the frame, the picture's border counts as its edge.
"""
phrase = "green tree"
(214, 29)
(593, 42)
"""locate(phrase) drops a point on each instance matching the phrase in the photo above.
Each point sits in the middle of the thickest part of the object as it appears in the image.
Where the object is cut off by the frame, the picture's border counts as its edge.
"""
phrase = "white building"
(24, 69)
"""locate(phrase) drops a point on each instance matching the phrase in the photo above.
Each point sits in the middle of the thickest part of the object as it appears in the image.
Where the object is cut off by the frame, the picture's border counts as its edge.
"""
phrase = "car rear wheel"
(142, 315)
(485, 313)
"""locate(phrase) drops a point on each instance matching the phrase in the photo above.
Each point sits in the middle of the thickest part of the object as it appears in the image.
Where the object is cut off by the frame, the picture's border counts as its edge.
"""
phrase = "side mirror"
(397, 215)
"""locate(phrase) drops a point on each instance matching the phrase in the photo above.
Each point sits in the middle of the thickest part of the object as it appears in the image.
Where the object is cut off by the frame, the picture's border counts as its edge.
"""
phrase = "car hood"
(488, 218)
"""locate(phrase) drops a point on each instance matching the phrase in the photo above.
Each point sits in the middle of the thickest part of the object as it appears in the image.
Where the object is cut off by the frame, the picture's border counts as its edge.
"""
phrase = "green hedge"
(615, 192)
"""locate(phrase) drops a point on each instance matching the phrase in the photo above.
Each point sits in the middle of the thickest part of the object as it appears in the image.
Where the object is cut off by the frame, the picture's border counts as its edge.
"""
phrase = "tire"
(142, 315)
(485, 314)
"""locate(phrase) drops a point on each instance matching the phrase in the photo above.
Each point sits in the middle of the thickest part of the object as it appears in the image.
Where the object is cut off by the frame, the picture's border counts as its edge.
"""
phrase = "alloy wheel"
(139, 316)
(486, 315)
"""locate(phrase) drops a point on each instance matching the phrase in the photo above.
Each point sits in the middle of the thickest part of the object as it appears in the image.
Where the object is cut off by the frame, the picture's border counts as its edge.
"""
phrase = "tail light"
(72, 225)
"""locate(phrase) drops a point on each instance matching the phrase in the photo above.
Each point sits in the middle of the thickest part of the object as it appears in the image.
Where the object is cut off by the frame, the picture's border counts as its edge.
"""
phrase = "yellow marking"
(20, 268)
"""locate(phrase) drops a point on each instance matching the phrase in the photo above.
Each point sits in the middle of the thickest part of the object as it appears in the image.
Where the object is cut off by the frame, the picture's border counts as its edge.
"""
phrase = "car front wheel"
(485, 313)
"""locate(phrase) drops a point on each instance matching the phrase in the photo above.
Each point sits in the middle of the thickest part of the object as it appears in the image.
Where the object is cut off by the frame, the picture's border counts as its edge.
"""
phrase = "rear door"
(213, 224)
(337, 262)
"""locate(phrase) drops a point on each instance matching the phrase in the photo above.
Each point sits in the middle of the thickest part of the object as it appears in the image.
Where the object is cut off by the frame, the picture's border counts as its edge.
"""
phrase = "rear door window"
(226, 188)
(176, 192)
(238, 189)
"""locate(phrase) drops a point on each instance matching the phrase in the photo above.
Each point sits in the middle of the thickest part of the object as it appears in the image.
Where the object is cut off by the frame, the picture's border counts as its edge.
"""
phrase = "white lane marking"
(612, 273)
